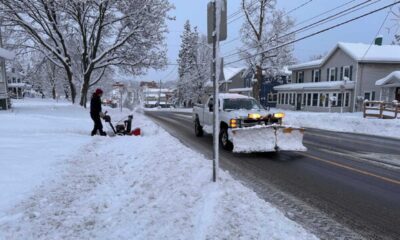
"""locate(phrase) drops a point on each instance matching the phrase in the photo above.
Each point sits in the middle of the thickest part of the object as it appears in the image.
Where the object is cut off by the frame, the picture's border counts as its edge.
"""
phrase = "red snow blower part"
(123, 127)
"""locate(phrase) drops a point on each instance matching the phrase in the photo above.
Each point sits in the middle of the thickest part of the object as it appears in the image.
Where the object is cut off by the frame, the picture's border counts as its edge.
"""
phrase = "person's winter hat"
(98, 91)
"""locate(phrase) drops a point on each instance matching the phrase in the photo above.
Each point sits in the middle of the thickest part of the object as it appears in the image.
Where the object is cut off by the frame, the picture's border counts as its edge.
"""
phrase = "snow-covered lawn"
(343, 122)
(57, 182)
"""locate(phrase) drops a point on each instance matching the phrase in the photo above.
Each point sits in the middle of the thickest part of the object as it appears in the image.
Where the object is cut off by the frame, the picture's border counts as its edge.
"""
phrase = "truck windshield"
(241, 103)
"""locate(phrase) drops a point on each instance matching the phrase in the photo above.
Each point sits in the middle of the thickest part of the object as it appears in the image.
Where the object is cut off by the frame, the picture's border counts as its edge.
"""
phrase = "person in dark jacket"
(96, 113)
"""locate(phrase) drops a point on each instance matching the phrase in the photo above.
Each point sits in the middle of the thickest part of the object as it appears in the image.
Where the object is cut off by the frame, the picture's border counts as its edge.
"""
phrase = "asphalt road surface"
(346, 186)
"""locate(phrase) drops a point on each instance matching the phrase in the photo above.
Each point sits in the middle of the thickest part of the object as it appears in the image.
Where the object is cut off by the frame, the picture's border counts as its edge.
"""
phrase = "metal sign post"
(217, 31)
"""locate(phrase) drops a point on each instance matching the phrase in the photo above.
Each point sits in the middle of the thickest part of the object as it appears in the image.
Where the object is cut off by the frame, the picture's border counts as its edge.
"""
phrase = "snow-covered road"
(148, 187)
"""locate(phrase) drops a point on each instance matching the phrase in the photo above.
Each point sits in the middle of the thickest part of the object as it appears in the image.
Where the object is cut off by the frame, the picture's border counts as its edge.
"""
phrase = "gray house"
(4, 100)
(342, 80)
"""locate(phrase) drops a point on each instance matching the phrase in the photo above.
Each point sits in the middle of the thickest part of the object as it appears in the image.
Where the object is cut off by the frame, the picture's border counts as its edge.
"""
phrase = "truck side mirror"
(211, 107)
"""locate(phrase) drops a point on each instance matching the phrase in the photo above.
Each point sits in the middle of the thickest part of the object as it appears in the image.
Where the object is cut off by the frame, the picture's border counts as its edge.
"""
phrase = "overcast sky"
(362, 30)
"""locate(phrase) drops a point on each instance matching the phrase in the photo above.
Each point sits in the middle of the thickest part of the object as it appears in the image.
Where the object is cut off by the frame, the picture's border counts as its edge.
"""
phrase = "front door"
(298, 103)
(397, 97)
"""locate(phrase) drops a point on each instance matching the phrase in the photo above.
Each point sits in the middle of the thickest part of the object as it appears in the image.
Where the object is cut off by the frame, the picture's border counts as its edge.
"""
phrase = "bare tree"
(126, 33)
(46, 27)
(262, 32)
(86, 38)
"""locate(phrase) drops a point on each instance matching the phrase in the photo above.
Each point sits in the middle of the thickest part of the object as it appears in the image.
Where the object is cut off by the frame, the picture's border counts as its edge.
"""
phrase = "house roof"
(393, 79)
(360, 52)
(6, 54)
(336, 85)
(230, 72)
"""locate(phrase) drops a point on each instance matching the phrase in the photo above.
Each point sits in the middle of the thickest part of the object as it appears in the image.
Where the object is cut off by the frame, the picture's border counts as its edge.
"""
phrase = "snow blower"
(123, 127)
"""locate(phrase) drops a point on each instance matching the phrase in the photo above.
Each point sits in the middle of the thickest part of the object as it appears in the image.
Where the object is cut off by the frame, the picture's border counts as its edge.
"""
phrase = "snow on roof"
(371, 53)
(309, 64)
(392, 78)
(233, 90)
(230, 72)
(316, 86)
(231, 95)
(360, 52)
(6, 54)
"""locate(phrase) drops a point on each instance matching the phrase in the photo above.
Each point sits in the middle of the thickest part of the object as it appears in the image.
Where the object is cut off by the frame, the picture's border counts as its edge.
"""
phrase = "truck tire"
(224, 139)
(198, 129)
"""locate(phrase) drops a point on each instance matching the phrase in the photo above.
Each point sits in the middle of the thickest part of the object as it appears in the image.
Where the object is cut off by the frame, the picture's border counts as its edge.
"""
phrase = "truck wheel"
(224, 139)
(198, 129)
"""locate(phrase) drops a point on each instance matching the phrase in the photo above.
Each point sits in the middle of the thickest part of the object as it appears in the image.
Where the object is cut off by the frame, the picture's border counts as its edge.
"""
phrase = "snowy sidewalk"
(149, 187)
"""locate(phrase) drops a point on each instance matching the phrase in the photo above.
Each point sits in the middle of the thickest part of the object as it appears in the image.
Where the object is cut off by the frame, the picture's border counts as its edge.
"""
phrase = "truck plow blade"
(267, 139)
(290, 139)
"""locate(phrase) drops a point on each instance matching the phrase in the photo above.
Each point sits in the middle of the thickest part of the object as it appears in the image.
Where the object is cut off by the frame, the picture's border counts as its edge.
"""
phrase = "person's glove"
(102, 115)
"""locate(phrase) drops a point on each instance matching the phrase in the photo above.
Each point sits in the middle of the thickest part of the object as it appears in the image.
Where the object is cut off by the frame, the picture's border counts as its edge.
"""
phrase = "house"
(233, 79)
(153, 97)
(4, 55)
(16, 85)
(342, 80)
(389, 87)
(241, 81)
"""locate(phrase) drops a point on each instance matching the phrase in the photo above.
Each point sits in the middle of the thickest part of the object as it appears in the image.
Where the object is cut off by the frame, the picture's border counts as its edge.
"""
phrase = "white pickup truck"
(246, 127)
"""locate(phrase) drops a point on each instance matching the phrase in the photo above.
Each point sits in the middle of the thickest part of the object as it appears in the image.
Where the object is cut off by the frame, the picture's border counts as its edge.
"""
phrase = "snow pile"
(343, 122)
(148, 187)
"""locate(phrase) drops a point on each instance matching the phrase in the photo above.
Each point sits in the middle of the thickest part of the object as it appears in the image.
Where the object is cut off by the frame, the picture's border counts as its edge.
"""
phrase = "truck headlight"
(233, 123)
(254, 116)
(279, 115)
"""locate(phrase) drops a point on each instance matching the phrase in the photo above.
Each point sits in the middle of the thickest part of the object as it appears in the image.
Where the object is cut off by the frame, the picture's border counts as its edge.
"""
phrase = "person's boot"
(93, 133)
(103, 133)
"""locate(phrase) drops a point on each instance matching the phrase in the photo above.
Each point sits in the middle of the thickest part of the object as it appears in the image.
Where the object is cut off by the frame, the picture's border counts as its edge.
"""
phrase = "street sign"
(223, 33)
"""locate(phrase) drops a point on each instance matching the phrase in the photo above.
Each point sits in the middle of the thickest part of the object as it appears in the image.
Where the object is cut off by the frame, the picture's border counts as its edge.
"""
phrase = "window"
(321, 99)
(300, 77)
(286, 98)
(326, 99)
(316, 75)
(367, 96)
(304, 99)
(332, 72)
(272, 97)
(290, 98)
(315, 99)
(339, 100)
(346, 73)
(309, 99)
(334, 99)
(347, 100)
(13, 80)
(18, 80)
(282, 98)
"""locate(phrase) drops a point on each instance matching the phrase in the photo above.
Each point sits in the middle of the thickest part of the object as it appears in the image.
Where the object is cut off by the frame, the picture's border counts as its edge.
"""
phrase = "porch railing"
(380, 109)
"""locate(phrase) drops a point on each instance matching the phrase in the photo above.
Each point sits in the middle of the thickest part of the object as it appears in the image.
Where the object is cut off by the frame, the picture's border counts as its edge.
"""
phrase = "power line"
(290, 11)
(318, 32)
(376, 35)
(318, 23)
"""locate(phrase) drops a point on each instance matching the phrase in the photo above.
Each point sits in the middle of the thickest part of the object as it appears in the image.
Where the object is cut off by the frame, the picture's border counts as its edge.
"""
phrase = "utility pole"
(217, 31)
(216, 98)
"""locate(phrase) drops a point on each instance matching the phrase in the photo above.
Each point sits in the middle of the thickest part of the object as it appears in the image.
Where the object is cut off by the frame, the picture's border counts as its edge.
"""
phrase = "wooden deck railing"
(380, 109)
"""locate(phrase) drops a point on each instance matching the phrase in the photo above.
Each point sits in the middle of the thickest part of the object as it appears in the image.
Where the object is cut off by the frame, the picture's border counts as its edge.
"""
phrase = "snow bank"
(343, 122)
(148, 187)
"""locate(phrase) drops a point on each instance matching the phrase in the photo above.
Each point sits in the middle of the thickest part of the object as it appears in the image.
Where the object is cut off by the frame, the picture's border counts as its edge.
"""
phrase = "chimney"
(379, 40)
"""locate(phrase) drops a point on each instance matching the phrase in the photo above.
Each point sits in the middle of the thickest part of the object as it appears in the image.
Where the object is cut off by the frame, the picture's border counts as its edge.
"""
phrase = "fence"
(380, 109)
